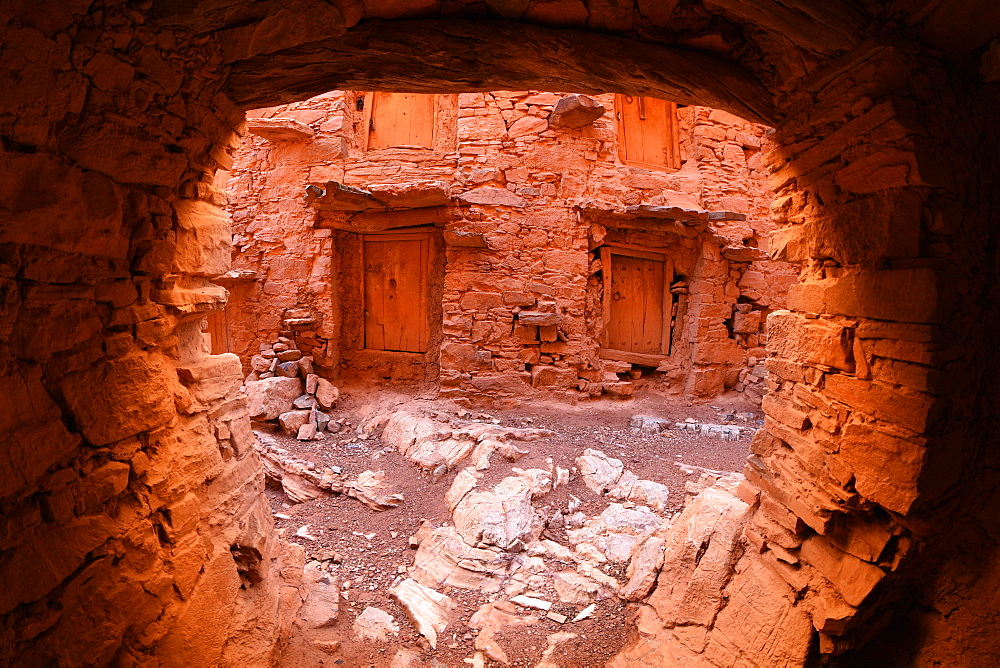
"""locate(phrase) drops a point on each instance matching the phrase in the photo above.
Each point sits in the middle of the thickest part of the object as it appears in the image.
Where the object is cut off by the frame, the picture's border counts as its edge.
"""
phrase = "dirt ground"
(370, 549)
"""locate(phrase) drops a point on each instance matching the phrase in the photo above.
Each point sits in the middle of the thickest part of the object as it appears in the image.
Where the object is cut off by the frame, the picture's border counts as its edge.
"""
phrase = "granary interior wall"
(523, 208)
(887, 178)
(134, 528)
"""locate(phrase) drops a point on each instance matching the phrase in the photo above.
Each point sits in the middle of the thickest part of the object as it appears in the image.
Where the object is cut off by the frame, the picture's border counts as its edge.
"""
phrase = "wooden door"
(637, 300)
(396, 291)
(400, 120)
(218, 331)
(647, 131)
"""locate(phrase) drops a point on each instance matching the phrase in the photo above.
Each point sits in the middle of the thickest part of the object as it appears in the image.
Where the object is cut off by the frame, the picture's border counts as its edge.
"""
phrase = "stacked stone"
(535, 188)
(283, 387)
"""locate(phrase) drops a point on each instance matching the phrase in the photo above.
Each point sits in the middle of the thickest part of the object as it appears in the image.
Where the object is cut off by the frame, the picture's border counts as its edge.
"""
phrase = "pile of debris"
(645, 424)
(282, 387)
(303, 481)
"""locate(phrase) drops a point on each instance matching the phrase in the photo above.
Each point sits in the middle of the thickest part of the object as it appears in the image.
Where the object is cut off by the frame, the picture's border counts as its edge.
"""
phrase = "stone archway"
(130, 495)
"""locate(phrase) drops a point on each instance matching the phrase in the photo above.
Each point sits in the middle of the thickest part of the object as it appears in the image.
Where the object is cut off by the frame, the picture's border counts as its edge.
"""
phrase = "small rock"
(556, 617)
(287, 370)
(374, 624)
(529, 602)
(307, 432)
(586, 612)
(304, 402)
(289, 355)
(575, 111)
(292, 420)
(326, 394)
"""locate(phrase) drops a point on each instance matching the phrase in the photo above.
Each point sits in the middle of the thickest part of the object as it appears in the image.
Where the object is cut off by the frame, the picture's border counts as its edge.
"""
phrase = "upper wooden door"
(647, 132)
(400, 120)
(396, 291)
(637, 301)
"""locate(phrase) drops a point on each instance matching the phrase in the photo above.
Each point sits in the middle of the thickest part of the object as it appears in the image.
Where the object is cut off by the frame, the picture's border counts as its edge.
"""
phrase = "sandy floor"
(372, 547)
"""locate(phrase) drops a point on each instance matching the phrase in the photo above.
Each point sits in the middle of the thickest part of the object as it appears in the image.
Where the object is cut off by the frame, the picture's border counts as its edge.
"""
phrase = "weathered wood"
(826, 26)
(639, 359)
(218, 330)
(395, 292)
(637, 287)
(647, 132)
(456, 56)
(400, 120)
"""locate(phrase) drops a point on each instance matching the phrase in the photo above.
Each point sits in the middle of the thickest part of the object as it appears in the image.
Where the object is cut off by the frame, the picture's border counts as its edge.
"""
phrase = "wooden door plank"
(374, 271)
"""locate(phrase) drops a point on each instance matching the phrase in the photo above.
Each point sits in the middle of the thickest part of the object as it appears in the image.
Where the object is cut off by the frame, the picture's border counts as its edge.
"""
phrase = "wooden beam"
(826, 26)
(455, 56)
(641, 359)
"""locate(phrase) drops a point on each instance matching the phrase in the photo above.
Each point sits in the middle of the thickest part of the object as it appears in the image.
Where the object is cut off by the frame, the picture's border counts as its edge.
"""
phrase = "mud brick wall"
(536, 200)
(134, 526)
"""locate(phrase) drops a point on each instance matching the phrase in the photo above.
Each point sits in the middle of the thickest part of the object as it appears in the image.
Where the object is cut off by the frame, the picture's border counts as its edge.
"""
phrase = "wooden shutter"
(637, 300)
(400, 120)
(647, 132)
(396, 291)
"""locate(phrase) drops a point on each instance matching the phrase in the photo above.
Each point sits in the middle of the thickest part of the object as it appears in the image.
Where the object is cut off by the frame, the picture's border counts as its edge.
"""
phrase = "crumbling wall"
(523, 207)
(134, 525)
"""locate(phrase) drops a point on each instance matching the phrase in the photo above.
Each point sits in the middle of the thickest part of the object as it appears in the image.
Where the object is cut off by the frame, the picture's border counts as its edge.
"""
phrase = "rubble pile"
(303, 481)
(440, 442)
(282, 387)
(501, 541)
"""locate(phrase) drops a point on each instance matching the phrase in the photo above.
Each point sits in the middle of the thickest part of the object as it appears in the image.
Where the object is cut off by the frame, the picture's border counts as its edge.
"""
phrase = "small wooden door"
(218, 331)
(637, 301)
(647, 132)
(396, 291)
(400, 120)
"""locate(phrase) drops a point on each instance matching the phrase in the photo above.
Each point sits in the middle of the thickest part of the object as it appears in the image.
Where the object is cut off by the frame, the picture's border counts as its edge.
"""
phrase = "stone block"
(897, 295)
(746, 323)
(32, 434)
(279, 129)
(550, 376)
(886, 467)
(794, 338)
(464, 357)
(911, 410)
(326, 393)
(270, 397)
(527, 125)
(575, 111)
(204, 238)
(103, 483)
(292, 420)
(851, 577)
(137, 390)
(492, 196)
(538, 318)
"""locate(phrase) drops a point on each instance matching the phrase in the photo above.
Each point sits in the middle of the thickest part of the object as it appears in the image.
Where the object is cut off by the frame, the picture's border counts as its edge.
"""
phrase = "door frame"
(646, 253)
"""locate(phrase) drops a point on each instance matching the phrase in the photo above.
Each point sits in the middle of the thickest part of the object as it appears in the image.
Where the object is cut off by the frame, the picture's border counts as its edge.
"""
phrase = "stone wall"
(522, 207)
(859, 532)
(134, 525)
(133, 530)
